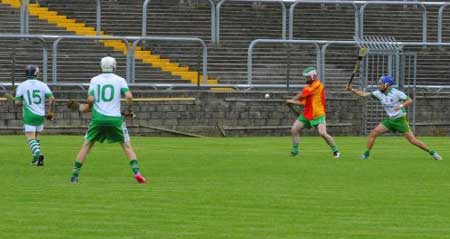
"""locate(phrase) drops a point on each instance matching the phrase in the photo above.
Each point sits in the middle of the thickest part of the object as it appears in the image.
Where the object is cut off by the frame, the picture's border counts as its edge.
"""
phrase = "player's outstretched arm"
(357, 92)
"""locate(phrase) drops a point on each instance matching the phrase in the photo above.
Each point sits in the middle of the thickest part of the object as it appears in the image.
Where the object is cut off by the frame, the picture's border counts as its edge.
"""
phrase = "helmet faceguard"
(31, 71)
(386, 82)
(108, 64)
(310, 74)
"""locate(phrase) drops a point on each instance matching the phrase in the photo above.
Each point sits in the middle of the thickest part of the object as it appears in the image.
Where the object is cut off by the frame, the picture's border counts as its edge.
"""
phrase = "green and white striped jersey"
(389, 100)
(33, 93)
(107, 89)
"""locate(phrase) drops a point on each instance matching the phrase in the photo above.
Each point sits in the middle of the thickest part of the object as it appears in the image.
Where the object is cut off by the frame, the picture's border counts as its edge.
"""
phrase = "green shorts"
(113, 134)
(397, 125)
(312, 123)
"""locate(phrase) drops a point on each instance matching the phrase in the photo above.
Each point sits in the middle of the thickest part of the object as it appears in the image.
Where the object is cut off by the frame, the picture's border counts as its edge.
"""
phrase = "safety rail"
(130, 56)
(60, 38)
(321, 48)
(295, 3)
(213, 19)
(359, 6)
(186, 39)
(24, 16)
(43, 42)
(257, 41)
(440, 19)
(283, 8)
(420, 4)
(25, 21)
(360, 11)
(161, 86)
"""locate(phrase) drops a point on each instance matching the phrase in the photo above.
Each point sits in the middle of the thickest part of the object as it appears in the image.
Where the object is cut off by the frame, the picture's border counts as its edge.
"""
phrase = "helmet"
(386, 80)
(31, 71)
(310, 71)
(108, 64)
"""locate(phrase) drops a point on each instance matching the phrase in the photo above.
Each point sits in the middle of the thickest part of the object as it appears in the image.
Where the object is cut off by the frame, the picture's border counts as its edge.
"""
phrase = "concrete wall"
(238, 114)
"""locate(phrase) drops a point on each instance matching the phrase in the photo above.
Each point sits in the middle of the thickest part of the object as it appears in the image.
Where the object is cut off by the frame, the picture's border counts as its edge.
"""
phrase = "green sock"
(334, 148)
(367, 153)
(431, 152)
(134, 166)
(35, 149)
(295, 148)
(76, 169)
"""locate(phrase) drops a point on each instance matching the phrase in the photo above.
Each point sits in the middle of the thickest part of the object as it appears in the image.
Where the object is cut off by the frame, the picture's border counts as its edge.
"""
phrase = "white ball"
(267, 96)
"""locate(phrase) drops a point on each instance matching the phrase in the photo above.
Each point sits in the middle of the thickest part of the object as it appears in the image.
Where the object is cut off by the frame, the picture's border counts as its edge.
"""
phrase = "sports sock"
(431, 152)
(76, 169)
(134, 166)
(35, 149)
(367, 153)
(295, 148)
(334, 148)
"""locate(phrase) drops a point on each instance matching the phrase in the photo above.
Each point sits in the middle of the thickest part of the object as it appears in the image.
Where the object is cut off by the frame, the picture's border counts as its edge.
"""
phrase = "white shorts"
(33, 128)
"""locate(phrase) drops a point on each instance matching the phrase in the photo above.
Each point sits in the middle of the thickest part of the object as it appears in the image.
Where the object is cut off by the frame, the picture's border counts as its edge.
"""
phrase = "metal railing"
(213, 19)
(359, 6)
(25, 21)
(60, 38)
(360, 11)
(355, 4)
(98, 16)
(185, 39)
(440, 17)
(43, 42)
(321, 48)
(24, 16)
(420, 4)
(283, 8)
(130, 56)
(301, 42)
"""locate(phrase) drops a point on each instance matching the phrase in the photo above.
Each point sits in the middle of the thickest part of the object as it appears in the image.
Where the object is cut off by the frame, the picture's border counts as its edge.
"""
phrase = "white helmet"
(108, 64)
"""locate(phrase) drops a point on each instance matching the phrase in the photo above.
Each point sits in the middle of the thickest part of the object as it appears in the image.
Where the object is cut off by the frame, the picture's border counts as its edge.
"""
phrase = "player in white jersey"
(32, 94)
(394, 102)
(105, 91)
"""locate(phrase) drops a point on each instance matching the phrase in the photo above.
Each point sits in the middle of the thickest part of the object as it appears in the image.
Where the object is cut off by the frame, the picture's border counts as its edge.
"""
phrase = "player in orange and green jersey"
(313, 99)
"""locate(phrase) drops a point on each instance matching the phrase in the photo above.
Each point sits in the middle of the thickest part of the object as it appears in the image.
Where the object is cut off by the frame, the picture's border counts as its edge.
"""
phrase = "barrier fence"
(288, 25)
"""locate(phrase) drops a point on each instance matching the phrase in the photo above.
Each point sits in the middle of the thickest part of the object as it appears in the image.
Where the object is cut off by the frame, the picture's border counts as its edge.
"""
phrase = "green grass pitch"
(234, 188)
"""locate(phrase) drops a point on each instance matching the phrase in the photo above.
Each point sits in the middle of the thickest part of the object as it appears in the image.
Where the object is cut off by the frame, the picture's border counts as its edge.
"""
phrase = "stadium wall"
(238, 114)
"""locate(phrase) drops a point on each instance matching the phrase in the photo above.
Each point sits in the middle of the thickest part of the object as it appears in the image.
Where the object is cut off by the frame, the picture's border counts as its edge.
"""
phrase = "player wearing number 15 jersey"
(105, 91)
(32, 94)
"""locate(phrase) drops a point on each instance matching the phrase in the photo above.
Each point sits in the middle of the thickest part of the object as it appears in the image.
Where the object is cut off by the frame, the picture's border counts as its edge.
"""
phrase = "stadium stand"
(82, 56)
(241, 22)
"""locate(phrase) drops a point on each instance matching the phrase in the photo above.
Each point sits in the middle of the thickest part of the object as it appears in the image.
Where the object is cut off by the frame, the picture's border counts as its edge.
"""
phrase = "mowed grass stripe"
(226, 188)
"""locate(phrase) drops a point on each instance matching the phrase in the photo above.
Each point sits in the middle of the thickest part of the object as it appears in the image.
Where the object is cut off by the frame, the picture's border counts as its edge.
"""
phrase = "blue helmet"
(31, 71)
(386, 80)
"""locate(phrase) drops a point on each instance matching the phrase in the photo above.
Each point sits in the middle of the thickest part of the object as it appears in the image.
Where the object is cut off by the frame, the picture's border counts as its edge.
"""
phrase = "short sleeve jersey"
(107, 89)
(389, 100)
(33, 93)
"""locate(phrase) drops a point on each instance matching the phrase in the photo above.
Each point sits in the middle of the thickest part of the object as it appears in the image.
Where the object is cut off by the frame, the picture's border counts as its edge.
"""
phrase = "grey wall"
(240, 114)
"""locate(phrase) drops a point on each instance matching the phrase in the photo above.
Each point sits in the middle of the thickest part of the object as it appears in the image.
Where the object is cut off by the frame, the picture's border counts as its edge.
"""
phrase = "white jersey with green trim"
(107, 89)
(33, 94)
(389, 100)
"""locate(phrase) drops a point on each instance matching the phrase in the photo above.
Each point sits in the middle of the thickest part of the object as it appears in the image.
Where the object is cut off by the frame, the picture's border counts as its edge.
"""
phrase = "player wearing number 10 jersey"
(105, 91)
